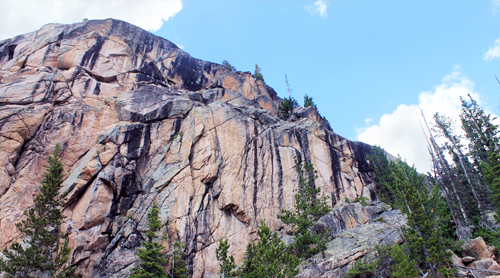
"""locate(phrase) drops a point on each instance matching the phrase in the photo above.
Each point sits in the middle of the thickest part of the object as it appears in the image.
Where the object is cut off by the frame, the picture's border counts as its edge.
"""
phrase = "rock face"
(141, 121)
(356, 231)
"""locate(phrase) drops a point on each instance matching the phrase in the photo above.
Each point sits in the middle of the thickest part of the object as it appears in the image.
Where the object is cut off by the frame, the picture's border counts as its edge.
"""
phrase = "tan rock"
(476, 248)
(93, 206)
(494, 266)
(456, 260)
(484, 263)
(106, 156)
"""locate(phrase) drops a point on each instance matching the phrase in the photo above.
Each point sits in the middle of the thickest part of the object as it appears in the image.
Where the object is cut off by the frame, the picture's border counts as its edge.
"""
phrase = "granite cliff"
(139, 120)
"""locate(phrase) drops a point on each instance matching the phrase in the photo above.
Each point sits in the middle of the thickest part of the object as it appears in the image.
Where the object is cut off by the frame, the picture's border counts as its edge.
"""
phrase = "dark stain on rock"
(97, 89)
(191, 72)
(91, 55)
(133, 137)
(11, 48)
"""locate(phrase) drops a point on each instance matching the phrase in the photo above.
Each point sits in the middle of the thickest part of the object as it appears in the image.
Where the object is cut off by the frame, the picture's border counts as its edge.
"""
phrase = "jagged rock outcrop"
(141, 121)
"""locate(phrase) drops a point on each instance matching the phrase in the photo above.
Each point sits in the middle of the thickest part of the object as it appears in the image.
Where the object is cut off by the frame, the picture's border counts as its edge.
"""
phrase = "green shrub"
(379, 219)
(362, 200)
(362, 269)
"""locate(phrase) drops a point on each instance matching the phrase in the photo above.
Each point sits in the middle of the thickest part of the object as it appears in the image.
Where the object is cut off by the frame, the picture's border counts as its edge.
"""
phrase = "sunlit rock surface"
(141, 121)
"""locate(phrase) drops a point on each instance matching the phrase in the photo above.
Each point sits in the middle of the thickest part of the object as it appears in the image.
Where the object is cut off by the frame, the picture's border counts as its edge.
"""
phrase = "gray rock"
(356, 240)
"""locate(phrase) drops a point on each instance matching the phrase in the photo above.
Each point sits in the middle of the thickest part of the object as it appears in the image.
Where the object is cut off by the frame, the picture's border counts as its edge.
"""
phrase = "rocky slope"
(141, 121)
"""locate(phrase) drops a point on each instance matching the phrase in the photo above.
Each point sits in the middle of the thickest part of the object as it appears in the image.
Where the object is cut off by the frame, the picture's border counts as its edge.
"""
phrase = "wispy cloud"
(400, 132)
(496, 5)
(493, 52)
(319, 7)
(23, 16)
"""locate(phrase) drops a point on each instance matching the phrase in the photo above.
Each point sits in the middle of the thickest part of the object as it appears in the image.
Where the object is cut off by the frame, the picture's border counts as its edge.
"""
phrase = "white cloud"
(401, 132)
(493, 52)
(23, 16)
(319, 7)
(496, 5)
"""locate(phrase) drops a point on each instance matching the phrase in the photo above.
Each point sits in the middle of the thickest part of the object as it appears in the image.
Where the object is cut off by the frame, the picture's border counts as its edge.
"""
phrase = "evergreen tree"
(47, 250)
(287, 106)
(308, 101)
(269, 258)
(403, 267)
(472, 190)
(385, 177)
(428, 234)
(258, 74)
(490, 170)
(228, 65)
(179, 263)
(309, 207)
(480, 131)
(227, 265)
(152, 254)
(484, 145)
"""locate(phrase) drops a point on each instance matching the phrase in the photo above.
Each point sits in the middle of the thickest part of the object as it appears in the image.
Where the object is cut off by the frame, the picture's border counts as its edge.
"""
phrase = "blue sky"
(361, 61)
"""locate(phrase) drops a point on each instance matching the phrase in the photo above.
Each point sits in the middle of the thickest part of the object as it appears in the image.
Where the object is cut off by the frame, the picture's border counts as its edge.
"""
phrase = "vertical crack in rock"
(336, 168)
(255, 170)
(280, 171)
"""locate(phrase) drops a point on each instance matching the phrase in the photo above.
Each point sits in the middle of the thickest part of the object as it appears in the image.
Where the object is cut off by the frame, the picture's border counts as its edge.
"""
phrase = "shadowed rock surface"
(139, 121)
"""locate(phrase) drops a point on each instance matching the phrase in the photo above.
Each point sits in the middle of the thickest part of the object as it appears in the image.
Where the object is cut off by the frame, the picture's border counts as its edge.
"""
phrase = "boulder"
(456, 260)
(476, 248)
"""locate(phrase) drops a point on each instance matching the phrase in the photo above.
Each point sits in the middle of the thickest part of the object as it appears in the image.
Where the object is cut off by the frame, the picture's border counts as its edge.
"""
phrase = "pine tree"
(227, 265)
(468, 175)
(269, 257)
(428, 234)
(47, 250)
(484, 145)
(309, 208)
(152, 254)
(385, 177)
(287, 106)
(403, 267)
(479, 129)
(308, 101)
(228, 65)
(258, 74)
(179, 263)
